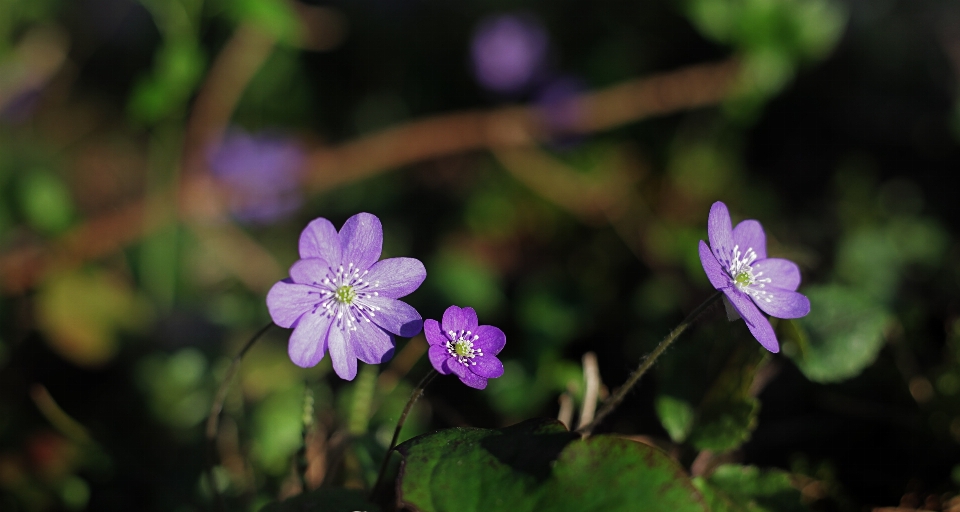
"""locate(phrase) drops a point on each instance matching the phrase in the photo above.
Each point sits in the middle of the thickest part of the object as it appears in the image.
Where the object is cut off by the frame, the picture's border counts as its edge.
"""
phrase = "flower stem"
(611, 403)
(417, 393)
(213, 419)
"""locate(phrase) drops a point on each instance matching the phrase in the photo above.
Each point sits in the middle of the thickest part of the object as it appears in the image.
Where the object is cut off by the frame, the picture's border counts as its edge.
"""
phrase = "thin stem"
(213, 420)
(646, 364)
(417, 393)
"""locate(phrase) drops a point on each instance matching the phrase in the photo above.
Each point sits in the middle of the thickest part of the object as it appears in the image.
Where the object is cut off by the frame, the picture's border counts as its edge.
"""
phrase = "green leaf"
(840, 337)
(728, 413)
(676, 415)
(735, 488)
(324, 500)
(45, 201)
(538, 465)
(710, 376)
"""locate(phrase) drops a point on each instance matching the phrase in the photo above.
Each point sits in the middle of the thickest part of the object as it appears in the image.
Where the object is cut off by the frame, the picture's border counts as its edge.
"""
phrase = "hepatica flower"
(459, 346)
(261, 172)
(340, 299)
(736, 263)
(509, 51)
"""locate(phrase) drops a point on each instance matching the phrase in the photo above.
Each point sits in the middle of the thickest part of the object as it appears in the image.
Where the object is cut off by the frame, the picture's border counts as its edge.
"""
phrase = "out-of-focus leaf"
(462, 281)
(278, 428)
(275, 17)
(83, 313)
(178, 386)
(45, 201)
(539, 465)
(840, 337)
(735, 488)
(324, 500)
(178, 67)
(676, 415)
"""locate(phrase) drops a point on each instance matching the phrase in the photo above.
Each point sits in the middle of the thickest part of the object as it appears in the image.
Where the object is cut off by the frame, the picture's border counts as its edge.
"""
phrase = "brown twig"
(415, 141)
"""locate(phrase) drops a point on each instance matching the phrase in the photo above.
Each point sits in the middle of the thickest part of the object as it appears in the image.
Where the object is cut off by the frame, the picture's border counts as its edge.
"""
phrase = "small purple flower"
(340, 299)
(509, 51)
(736, 264)
(459, 346)
(262, 173)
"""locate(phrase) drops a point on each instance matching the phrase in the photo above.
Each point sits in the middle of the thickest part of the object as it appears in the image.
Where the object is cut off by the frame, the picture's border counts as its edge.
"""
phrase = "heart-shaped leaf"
(538, 465)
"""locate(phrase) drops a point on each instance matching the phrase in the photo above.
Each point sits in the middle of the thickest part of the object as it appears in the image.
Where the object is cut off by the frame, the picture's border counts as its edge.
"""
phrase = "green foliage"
(840, 337)
(178, 66)
(464, 281)
(45, 201)
(735, 488)
(706, 400)
(773, 36)
(539, 465)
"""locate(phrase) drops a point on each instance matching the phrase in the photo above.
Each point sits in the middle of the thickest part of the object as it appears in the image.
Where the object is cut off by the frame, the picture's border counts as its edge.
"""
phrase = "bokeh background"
(551, 163)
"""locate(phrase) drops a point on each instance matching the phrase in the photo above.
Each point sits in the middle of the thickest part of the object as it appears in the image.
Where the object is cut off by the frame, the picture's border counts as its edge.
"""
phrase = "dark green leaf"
(735, 488)
(538, 465)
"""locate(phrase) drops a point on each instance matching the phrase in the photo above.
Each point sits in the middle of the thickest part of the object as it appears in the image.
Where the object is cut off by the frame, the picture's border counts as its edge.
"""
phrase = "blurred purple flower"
(262, 173)
(463, 348)
(509, 52)
(559, 110)
(340, 299)
(749, 279)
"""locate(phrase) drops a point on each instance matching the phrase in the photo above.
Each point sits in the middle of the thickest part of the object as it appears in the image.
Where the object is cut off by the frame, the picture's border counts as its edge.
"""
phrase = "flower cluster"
(736, 263)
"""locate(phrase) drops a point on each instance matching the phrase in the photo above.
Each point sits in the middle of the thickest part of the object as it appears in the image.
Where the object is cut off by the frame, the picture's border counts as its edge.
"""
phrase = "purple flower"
(340, 299)
(262, 173)
(736, 264)
(509, 51)
(459, 346)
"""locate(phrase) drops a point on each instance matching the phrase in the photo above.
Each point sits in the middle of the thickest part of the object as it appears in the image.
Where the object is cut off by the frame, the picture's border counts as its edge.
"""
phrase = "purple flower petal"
(749, 235)
(438, 357)
(396, 277)
(431, 329)
(782, 273)
(782, 303)
(491, 340)
(715, 273)
(341, 354)
(371, 344)
(288, 301)
(466, 376)
(757, 323)
(309, 340)
(362, 240)
(396, 316)
(309, 271)
(454, 320)
(488, 366)
(320, 240)
(720, 233)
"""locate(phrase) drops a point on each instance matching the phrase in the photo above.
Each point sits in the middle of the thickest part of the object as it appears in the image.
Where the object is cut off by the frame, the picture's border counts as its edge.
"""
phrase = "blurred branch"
(503, 130)
(511, 127)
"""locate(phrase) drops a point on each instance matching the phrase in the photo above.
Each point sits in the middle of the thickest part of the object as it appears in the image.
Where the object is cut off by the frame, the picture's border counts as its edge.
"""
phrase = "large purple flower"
(340, 299)
(736, 264)
(459, 346)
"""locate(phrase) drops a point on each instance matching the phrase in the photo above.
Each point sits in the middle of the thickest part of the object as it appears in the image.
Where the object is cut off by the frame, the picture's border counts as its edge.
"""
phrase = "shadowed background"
(551, 163)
